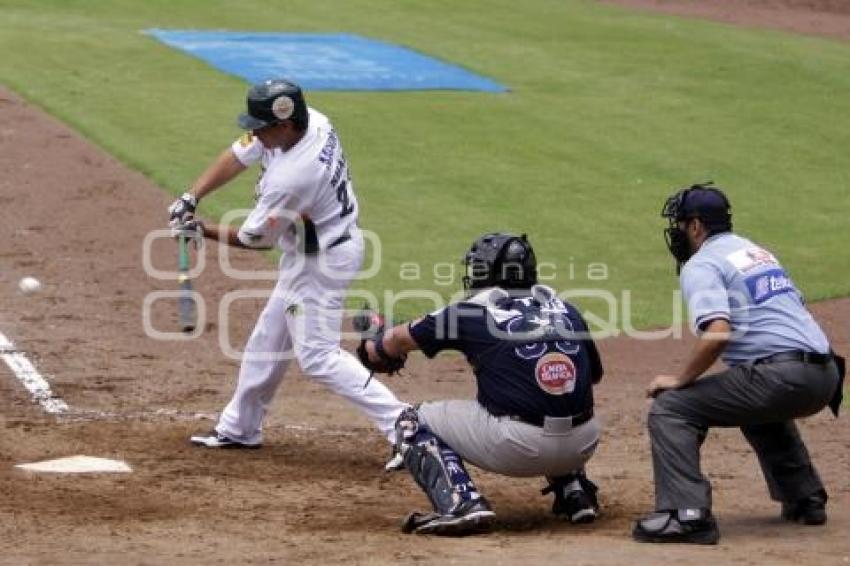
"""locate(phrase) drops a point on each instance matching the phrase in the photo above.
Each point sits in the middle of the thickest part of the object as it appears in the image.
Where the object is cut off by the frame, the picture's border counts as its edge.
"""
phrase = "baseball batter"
(746, 309)
(534, 364)
(306, 206)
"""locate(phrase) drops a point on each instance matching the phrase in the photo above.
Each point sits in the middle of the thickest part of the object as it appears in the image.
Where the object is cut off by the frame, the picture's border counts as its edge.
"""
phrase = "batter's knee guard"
(437, 469)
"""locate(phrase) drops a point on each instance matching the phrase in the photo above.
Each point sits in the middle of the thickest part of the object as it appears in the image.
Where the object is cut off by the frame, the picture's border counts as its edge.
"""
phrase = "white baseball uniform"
(302, 318)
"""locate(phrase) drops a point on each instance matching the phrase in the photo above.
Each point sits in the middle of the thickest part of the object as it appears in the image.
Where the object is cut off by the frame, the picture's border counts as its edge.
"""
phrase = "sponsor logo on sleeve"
(769, 284)
(556, 374)
(751, 258)
(246, 140)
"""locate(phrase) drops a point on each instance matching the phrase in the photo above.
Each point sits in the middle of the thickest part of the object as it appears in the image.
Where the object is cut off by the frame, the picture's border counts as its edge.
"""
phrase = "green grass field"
(608, 112)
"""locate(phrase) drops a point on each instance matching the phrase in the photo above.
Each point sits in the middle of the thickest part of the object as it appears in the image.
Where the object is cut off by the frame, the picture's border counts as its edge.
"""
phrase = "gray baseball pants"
(510, 447)
(763, 400)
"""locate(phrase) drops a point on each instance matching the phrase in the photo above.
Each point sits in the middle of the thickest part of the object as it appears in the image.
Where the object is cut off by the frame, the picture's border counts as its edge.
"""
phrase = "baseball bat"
(186, 302)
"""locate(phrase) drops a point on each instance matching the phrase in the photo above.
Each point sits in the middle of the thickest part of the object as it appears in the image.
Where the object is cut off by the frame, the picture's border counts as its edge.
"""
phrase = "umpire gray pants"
(762, 400)
(510, 447)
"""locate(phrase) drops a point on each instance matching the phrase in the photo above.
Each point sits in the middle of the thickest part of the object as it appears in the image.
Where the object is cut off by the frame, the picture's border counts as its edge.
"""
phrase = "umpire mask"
(703, 201)
(678, 244)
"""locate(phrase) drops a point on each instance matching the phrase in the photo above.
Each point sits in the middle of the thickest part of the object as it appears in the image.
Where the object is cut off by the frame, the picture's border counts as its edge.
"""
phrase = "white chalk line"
(29, 377)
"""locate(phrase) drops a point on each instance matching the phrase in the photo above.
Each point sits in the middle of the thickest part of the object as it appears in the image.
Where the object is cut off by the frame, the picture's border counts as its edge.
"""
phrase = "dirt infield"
(316, 493)
(826, 18)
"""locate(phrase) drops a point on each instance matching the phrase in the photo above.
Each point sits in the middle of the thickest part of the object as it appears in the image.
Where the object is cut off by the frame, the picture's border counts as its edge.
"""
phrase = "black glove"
(182, 209)
(385, 364)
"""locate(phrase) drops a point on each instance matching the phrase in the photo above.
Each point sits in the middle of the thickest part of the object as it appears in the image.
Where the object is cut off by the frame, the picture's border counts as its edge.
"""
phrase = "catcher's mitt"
(386, 363)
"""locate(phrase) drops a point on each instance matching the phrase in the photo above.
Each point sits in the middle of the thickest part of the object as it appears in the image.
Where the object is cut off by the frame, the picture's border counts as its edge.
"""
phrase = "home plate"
(77, 465)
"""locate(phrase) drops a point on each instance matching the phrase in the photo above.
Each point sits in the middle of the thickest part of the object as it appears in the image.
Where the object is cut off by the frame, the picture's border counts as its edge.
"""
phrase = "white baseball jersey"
(310, 179)
(248, 150)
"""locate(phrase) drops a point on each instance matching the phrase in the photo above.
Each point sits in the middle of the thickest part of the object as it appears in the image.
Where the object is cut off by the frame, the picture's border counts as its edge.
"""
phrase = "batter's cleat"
(396, 461)
(215, 439)
(693, 526)
(471, 516)
(575, 498)
(810, 510)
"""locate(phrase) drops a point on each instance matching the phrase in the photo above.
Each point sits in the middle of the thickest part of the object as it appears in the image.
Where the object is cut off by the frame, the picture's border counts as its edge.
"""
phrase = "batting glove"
(191, 229)
(182, 209)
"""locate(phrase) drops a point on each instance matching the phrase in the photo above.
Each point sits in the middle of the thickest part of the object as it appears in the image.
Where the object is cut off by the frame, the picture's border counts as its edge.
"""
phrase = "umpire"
(745, 308)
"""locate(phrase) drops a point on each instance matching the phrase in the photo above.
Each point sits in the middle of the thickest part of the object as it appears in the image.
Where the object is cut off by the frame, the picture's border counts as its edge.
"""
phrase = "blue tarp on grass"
(323, 61)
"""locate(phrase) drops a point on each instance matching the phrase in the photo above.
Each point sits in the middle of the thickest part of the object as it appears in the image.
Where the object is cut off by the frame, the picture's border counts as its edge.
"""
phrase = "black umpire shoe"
(694, 526)
(810, 510)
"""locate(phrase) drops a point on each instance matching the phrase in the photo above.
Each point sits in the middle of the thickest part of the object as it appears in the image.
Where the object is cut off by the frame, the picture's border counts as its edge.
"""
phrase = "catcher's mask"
(500, 260)
(704, 201)
(271, 102)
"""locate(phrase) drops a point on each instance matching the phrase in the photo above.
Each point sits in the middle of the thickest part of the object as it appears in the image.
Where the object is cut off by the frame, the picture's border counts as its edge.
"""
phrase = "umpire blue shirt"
(733, 279)
(532, 355)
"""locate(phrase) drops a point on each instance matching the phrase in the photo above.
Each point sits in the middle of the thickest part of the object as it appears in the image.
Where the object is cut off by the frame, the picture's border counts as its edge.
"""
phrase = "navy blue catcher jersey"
(532, 354)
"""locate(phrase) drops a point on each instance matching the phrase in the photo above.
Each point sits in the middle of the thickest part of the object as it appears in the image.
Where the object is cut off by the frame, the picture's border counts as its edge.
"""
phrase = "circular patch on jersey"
(283, 107)
(556, 374)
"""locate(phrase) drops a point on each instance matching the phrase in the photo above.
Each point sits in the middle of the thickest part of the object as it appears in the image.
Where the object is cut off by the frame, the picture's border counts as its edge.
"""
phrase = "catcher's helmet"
(273, 101)
(500, 260)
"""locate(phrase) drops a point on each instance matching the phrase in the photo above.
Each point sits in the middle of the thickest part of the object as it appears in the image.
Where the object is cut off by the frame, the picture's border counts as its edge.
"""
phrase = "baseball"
(29, 285)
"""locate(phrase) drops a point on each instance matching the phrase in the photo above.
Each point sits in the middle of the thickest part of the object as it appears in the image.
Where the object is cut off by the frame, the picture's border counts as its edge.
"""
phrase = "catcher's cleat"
(416, 520)
(396, 461)
(694, 526)
(575, 498)
(471, 516)
(576, 507)
(217, 440)
(807, 511)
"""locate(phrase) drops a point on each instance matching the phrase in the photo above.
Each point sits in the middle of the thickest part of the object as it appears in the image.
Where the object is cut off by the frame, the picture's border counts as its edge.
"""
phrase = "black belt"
(311, 239)
(538, 420)
(804, 357)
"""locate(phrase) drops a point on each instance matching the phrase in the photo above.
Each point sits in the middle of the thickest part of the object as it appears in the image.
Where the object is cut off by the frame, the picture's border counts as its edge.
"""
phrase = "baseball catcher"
(534, 364)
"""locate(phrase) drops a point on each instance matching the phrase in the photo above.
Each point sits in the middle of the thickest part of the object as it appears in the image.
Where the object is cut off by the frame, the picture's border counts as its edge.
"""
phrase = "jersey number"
(344, 199)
